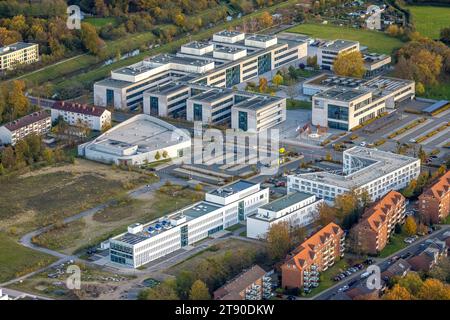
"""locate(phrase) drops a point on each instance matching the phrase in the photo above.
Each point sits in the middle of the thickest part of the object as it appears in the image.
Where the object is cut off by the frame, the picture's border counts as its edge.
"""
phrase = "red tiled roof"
(376, 214)
(79, 108)
(440, 188)
(26, 120)
(231, 290)
(305, 252)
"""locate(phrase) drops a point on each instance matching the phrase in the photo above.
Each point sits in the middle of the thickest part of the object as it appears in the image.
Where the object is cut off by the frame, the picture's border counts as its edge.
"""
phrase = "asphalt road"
(413, 249)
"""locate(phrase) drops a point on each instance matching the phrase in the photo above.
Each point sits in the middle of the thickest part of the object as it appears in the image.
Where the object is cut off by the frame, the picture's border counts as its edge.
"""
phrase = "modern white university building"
(221, 209)
(298, 209)
(375, 171)
(228, 59)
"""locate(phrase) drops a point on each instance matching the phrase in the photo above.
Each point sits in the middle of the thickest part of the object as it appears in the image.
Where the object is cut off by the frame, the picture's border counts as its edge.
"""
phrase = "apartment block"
(39, 123)
(298, 209)
(378, 172)
(222, 208)
(345, 103)
(434, 202)
(96, 118)
(251, 284)
(378, 222)
(17, 54)
(303, 266)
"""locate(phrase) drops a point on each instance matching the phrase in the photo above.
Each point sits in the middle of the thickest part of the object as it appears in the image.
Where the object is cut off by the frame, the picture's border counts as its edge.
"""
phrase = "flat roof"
(168, 88)
(213, 95)
(232, 188)
(257, 102)
(144, 131)
(260, 37)
(228, 49)
(14, 47)
(341, 94)
(228, 33)
(200, 209)
(197, 44)
(338, 45)
(436, 106)
(170, 58)
(373, 164)
(286, 201)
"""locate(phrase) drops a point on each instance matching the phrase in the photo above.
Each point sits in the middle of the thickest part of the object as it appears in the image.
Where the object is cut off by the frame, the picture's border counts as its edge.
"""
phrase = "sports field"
(376, 41)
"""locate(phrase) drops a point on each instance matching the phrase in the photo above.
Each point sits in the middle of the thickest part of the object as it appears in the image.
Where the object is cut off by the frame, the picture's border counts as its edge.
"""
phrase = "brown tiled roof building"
(38, 123)
(434, 202)
(378, 222)
(252, 284)
(316, 254)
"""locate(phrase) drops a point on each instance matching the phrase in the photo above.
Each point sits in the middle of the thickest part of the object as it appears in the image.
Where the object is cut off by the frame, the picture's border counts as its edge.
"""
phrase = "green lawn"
(430, 20)
(292, 104)
(16, 260)
(100, 22)
(326, 278)
(376, 41)
(396, 243)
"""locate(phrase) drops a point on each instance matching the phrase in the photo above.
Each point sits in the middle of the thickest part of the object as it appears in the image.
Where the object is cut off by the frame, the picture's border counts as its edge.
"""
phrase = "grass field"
(396, 243)
(100, 22)
(292, 104)
(16, 260)
(429, 20)
(326, 278)
(376, 41)
(89, 231)
(48, 195)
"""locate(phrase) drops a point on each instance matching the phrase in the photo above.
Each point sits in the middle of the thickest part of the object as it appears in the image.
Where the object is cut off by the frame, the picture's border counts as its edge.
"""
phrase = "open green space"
(326, 277)
(16, 260)
(90, 231)
(101, 22)
(395, 244)
(292, 104)
(375, 41)
(429, 20)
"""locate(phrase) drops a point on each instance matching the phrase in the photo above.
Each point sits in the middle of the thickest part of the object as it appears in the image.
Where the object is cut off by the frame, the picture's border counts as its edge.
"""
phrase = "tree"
(433, 289)
(90, 38)
(8, 157)
(2, 169)
(326, 214)
(262, 85)
(47, 154)
(184, 282)
(265, 20)
(328, 156)
(199, 291)
(18, 102)
(441, 270)
(164, 291)
(277, 79)
(157, 156)
(422, 155)
(410, 226)
(349, 65)
(420, 88)
(445, 35)
(398, 293)
(198, 187)
(165, 154)
(312, 62)
(278, 240)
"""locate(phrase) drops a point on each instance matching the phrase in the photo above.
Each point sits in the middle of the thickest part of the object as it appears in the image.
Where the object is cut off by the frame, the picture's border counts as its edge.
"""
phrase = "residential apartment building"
(17, 54)
(378, 222)
(97, 118)
(251, 284)
(345, 103)
(230, 58)
(298, 209)
(434, 202)
(303, 266)
(39, 123)
(375, 171)
(222, 208)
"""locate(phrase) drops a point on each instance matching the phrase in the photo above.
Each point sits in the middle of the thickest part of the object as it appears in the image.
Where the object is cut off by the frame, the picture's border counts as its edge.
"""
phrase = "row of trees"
(27, 152)
(185, 286)
(413, 287)
(13, 102)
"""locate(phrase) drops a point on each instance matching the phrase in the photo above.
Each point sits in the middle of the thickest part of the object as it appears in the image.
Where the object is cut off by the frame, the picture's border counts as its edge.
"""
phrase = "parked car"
(363, 144)
(291, 298)
(368, 261)
(406, 255)
(344, 288)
